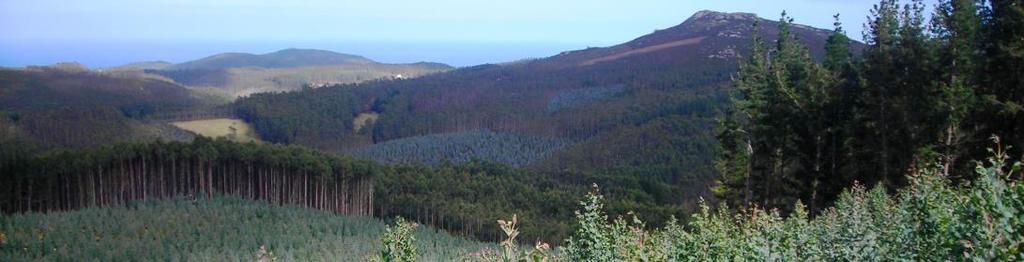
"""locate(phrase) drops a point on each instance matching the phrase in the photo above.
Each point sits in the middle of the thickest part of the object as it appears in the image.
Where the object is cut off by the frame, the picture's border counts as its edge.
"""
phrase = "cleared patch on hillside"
(362, 119)
(684, 42)
(232, 129)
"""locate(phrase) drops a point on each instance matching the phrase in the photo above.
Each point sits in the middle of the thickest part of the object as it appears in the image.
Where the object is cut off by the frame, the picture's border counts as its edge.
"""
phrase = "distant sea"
(96, 54)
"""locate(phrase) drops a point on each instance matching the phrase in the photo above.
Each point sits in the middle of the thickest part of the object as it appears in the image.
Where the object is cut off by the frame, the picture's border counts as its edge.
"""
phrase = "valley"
(724, 137)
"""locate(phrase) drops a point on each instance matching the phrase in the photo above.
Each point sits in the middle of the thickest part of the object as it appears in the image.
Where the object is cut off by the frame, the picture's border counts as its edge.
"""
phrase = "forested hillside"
(52, 108)
(462, 147)
(803, 122)
(642, 112)
(676, 75)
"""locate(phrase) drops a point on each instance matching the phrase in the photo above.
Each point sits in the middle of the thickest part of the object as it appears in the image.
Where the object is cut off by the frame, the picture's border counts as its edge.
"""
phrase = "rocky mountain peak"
(715, 16)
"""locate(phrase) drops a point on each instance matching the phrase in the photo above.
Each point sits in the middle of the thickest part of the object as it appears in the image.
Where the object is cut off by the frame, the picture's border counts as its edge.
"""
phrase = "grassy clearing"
(247, 81)
(233, 129)
(362, 119)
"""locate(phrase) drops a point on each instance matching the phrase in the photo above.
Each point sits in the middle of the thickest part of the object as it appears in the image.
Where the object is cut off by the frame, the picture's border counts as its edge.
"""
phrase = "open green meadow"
(232, 129)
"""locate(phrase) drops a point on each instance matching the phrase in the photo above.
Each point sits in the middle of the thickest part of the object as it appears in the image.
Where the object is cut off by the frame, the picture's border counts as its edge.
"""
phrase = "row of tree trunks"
(161, 177)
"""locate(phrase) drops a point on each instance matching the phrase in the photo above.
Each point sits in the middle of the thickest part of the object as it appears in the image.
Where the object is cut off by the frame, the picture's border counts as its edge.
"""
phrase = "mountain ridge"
(285, 58)
(716, 27)
(234, 74)
(681, 69)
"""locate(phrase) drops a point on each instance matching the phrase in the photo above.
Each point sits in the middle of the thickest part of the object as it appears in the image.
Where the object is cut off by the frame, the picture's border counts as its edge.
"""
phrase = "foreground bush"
(399, 242)
(930, 220)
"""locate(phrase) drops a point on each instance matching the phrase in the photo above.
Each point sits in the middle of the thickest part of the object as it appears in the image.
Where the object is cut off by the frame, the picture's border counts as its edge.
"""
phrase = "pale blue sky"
(460, 32)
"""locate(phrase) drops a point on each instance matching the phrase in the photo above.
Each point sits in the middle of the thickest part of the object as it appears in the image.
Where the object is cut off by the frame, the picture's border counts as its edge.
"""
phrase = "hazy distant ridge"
(281, 59)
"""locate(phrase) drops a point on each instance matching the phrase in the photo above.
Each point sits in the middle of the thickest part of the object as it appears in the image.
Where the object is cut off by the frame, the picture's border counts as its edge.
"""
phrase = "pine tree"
(957, 27)
(774, 145)
(733, 163)
(896, 109)
(736, 162)
(844, 86)
(1002, 92)
(803, 86)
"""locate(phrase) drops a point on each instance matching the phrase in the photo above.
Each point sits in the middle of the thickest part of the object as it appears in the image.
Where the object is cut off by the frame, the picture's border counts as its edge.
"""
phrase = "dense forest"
(119, 174)
(800, 130)
(461, 147)
(114, 175)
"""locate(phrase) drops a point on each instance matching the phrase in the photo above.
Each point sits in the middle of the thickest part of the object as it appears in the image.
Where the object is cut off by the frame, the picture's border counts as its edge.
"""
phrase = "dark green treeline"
(922, 91)
(113, 175)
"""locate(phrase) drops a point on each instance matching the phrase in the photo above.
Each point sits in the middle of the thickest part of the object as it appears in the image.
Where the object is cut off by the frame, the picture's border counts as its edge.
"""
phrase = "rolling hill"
(669, 82)
(242, 74)
(281, 59)
(56, 108)
(146, 65)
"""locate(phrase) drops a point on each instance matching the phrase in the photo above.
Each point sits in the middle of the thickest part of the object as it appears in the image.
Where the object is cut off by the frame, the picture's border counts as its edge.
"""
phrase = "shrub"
(930, 220)
(399, 242)
(510, 248)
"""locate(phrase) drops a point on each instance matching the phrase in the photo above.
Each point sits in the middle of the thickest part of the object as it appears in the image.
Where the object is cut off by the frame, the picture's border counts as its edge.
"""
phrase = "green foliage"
(930, 220)
(60, 109)
(114, 175)
(468, 198)
(622, 240)
(218, 229)
(775, 141)
(811, 130)
(570, 98)
(399, 242)
(461, 147)
(1001, 91)
(592, 241)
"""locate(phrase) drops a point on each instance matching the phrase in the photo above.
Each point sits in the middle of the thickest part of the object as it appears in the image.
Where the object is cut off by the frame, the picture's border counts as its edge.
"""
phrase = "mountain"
(242, 74)
(145, 65)
(637, 118)
(706, 34)
(572, 94)
(281, 59)
(646, 107)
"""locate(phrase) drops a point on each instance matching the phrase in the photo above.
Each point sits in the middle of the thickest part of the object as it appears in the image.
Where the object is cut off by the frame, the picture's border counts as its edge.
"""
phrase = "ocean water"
(97, 54)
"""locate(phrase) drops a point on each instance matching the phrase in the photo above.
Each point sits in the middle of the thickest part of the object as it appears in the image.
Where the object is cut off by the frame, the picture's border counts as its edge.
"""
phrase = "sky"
(102, 33)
